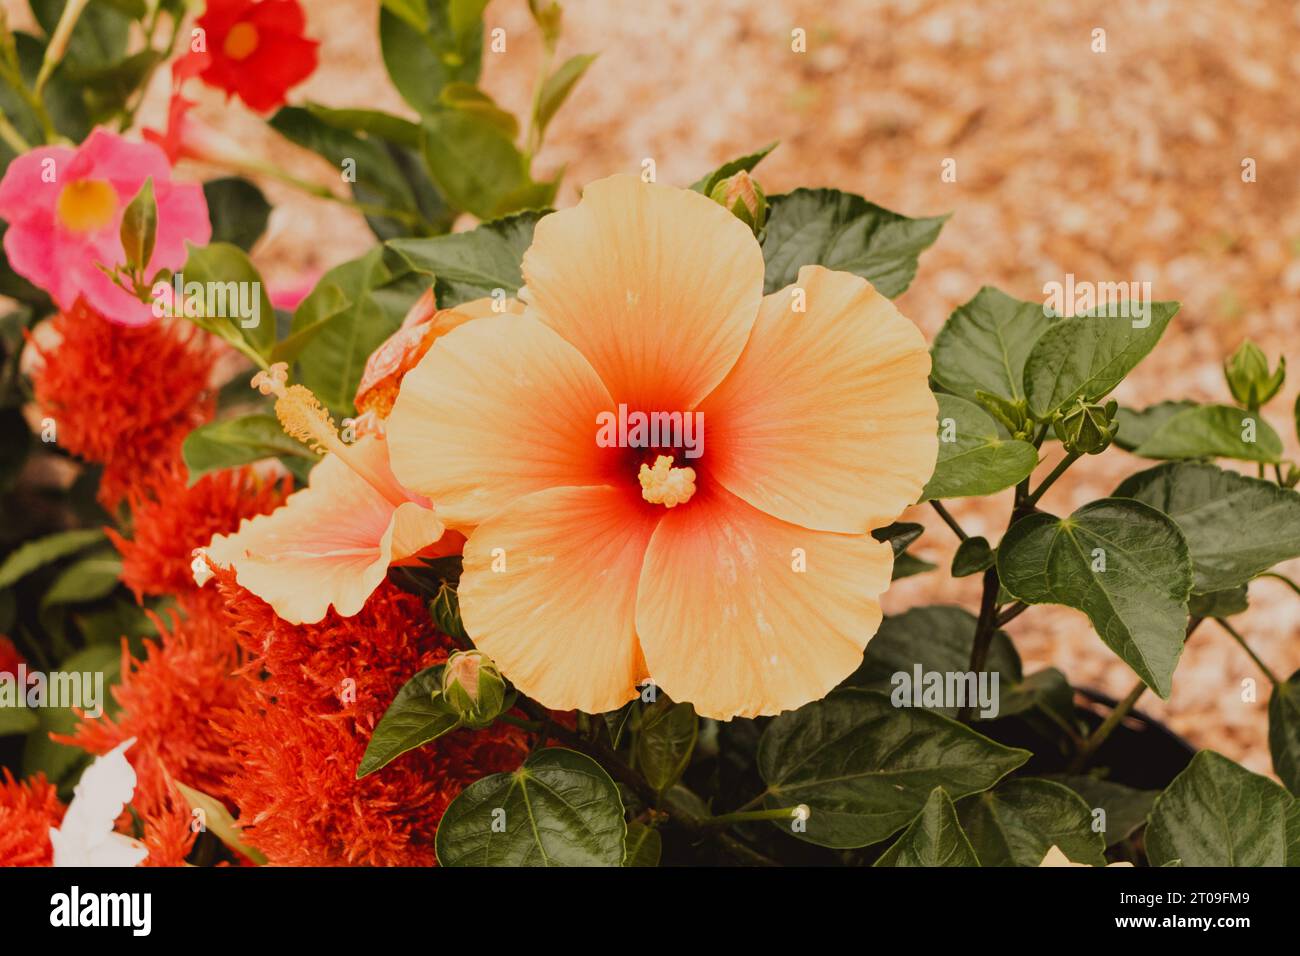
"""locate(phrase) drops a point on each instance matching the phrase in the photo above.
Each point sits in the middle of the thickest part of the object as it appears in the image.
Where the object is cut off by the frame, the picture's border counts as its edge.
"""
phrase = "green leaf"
(217, 819)
(477, 166)
(1126, 808)
(559, 809)
(1217, 813)
(474, 264)
(1136, 427)
(238, 211)
(644, 845)
(139, 228)
(844, 232)
(974, 458)
(935, 838)
(1017, 823)
(744, 163)
(1223, 603)
(58, 761)
(375, 123)
(42, 551)
(16, 720)
(557, 88)
(1087, 356)
(665, 742)
(1284, 731)
(468, 98)
(355, 307)
(984, 344)
(936, 639)
(1235, 526)
(616, 722)
(414, 12)
(973, 556)
(98, 40)
(87, 579)
(227, 275)
(388, 177)
(900, 534)
(1213, 431)
(239, 441)
(1122, 563)
(445, 611)
(422, 61)
(866, 768)
(416, 716)
(907, 565)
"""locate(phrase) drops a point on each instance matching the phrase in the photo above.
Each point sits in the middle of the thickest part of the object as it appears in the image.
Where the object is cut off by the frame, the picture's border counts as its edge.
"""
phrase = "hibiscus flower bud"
(1087, 428)
(744, 197)
(1248, 376)
(473, 687)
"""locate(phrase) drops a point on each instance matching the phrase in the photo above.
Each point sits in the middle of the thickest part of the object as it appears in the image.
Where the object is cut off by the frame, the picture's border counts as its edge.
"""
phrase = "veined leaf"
(974, 458)
(984, 344)
(935, 838)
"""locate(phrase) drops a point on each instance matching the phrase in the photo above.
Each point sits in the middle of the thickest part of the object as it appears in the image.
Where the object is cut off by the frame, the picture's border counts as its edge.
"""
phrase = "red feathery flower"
(124, 397)
(27, 811)
(168, 832)
(9, 656)
(168, 701)
(172, 519)
(314, 695)
(256, 49)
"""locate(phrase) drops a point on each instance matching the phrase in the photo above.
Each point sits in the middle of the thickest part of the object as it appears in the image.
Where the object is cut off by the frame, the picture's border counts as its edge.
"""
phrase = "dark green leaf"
(665, 742)
(1122, 563)
(1019, 821)
(559, 809)
(1126, 808)
(139, 229)
(644, 845)
(474, 264)
(422, 61)
(230, 281)
(238, 211)
(844, 232)
(217, 819)
(1213, 431)
(616, 722)
(476, 164)
(87, 579)
(1087, 356)
(1136, 427)
(58, 761)
(98, 40)
(1284, 731)
(973, 556)
(445, 610)
(416, 716)
(42, 551)
(984, 344)
(1235, 526)
(900, 534)
(1218, 813)
(974, 458)
(18, 719)
(1223, 603)
(866, 768)
(935, 838)
(907, 565)
(386, 126)
(239, 441)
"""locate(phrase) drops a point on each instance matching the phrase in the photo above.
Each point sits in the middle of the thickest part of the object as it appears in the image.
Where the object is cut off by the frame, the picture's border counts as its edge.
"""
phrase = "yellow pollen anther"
(665, 485)
(241, 41)
(87, 205)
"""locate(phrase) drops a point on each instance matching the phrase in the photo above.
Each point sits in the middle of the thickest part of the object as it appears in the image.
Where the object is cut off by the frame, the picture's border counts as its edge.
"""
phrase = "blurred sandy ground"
(1124, 165)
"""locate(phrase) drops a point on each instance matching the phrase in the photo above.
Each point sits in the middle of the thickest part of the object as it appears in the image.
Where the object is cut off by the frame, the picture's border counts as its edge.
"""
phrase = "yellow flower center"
(87, 205)
(665, 485)
(241, 41)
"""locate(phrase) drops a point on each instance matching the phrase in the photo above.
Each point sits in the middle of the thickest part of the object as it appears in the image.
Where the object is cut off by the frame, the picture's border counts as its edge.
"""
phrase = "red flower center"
(241, 41)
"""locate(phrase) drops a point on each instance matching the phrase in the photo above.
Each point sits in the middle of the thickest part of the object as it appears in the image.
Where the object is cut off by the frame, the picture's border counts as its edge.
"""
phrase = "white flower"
(86, 837)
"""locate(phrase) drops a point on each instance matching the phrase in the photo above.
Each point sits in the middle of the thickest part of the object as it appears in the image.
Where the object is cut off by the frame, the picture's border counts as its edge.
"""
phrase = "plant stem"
(1056, 472)
(532, 726)
(984, 630)
(749, 816)
(1011, 613)
(12, 138)
(1277, 470)
(1113, 719)
(1272, 678)
(1284, 579)
(12, 73)
(949, 520)
(58, 44)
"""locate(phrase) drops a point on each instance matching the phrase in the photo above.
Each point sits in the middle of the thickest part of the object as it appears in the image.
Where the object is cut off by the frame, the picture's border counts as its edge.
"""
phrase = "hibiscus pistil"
(665, 484)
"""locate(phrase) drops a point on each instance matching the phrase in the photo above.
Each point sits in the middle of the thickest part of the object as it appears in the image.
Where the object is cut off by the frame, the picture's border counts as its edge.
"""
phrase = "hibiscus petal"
(548, 591)
(496, 409)
(827, 419)
(657, 287)
(728, 622)
(329, 544)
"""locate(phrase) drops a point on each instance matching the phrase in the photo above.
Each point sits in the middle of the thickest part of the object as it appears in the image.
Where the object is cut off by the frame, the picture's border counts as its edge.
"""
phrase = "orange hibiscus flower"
(608, 541)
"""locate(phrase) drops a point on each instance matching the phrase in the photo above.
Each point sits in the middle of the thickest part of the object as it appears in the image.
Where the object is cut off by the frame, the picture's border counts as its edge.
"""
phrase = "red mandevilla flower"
(257, 49)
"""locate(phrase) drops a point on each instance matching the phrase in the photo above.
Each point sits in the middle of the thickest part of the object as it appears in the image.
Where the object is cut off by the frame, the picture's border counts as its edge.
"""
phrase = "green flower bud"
(1087, 428)
(473, 687)
(1248, 376)
(744, 197)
